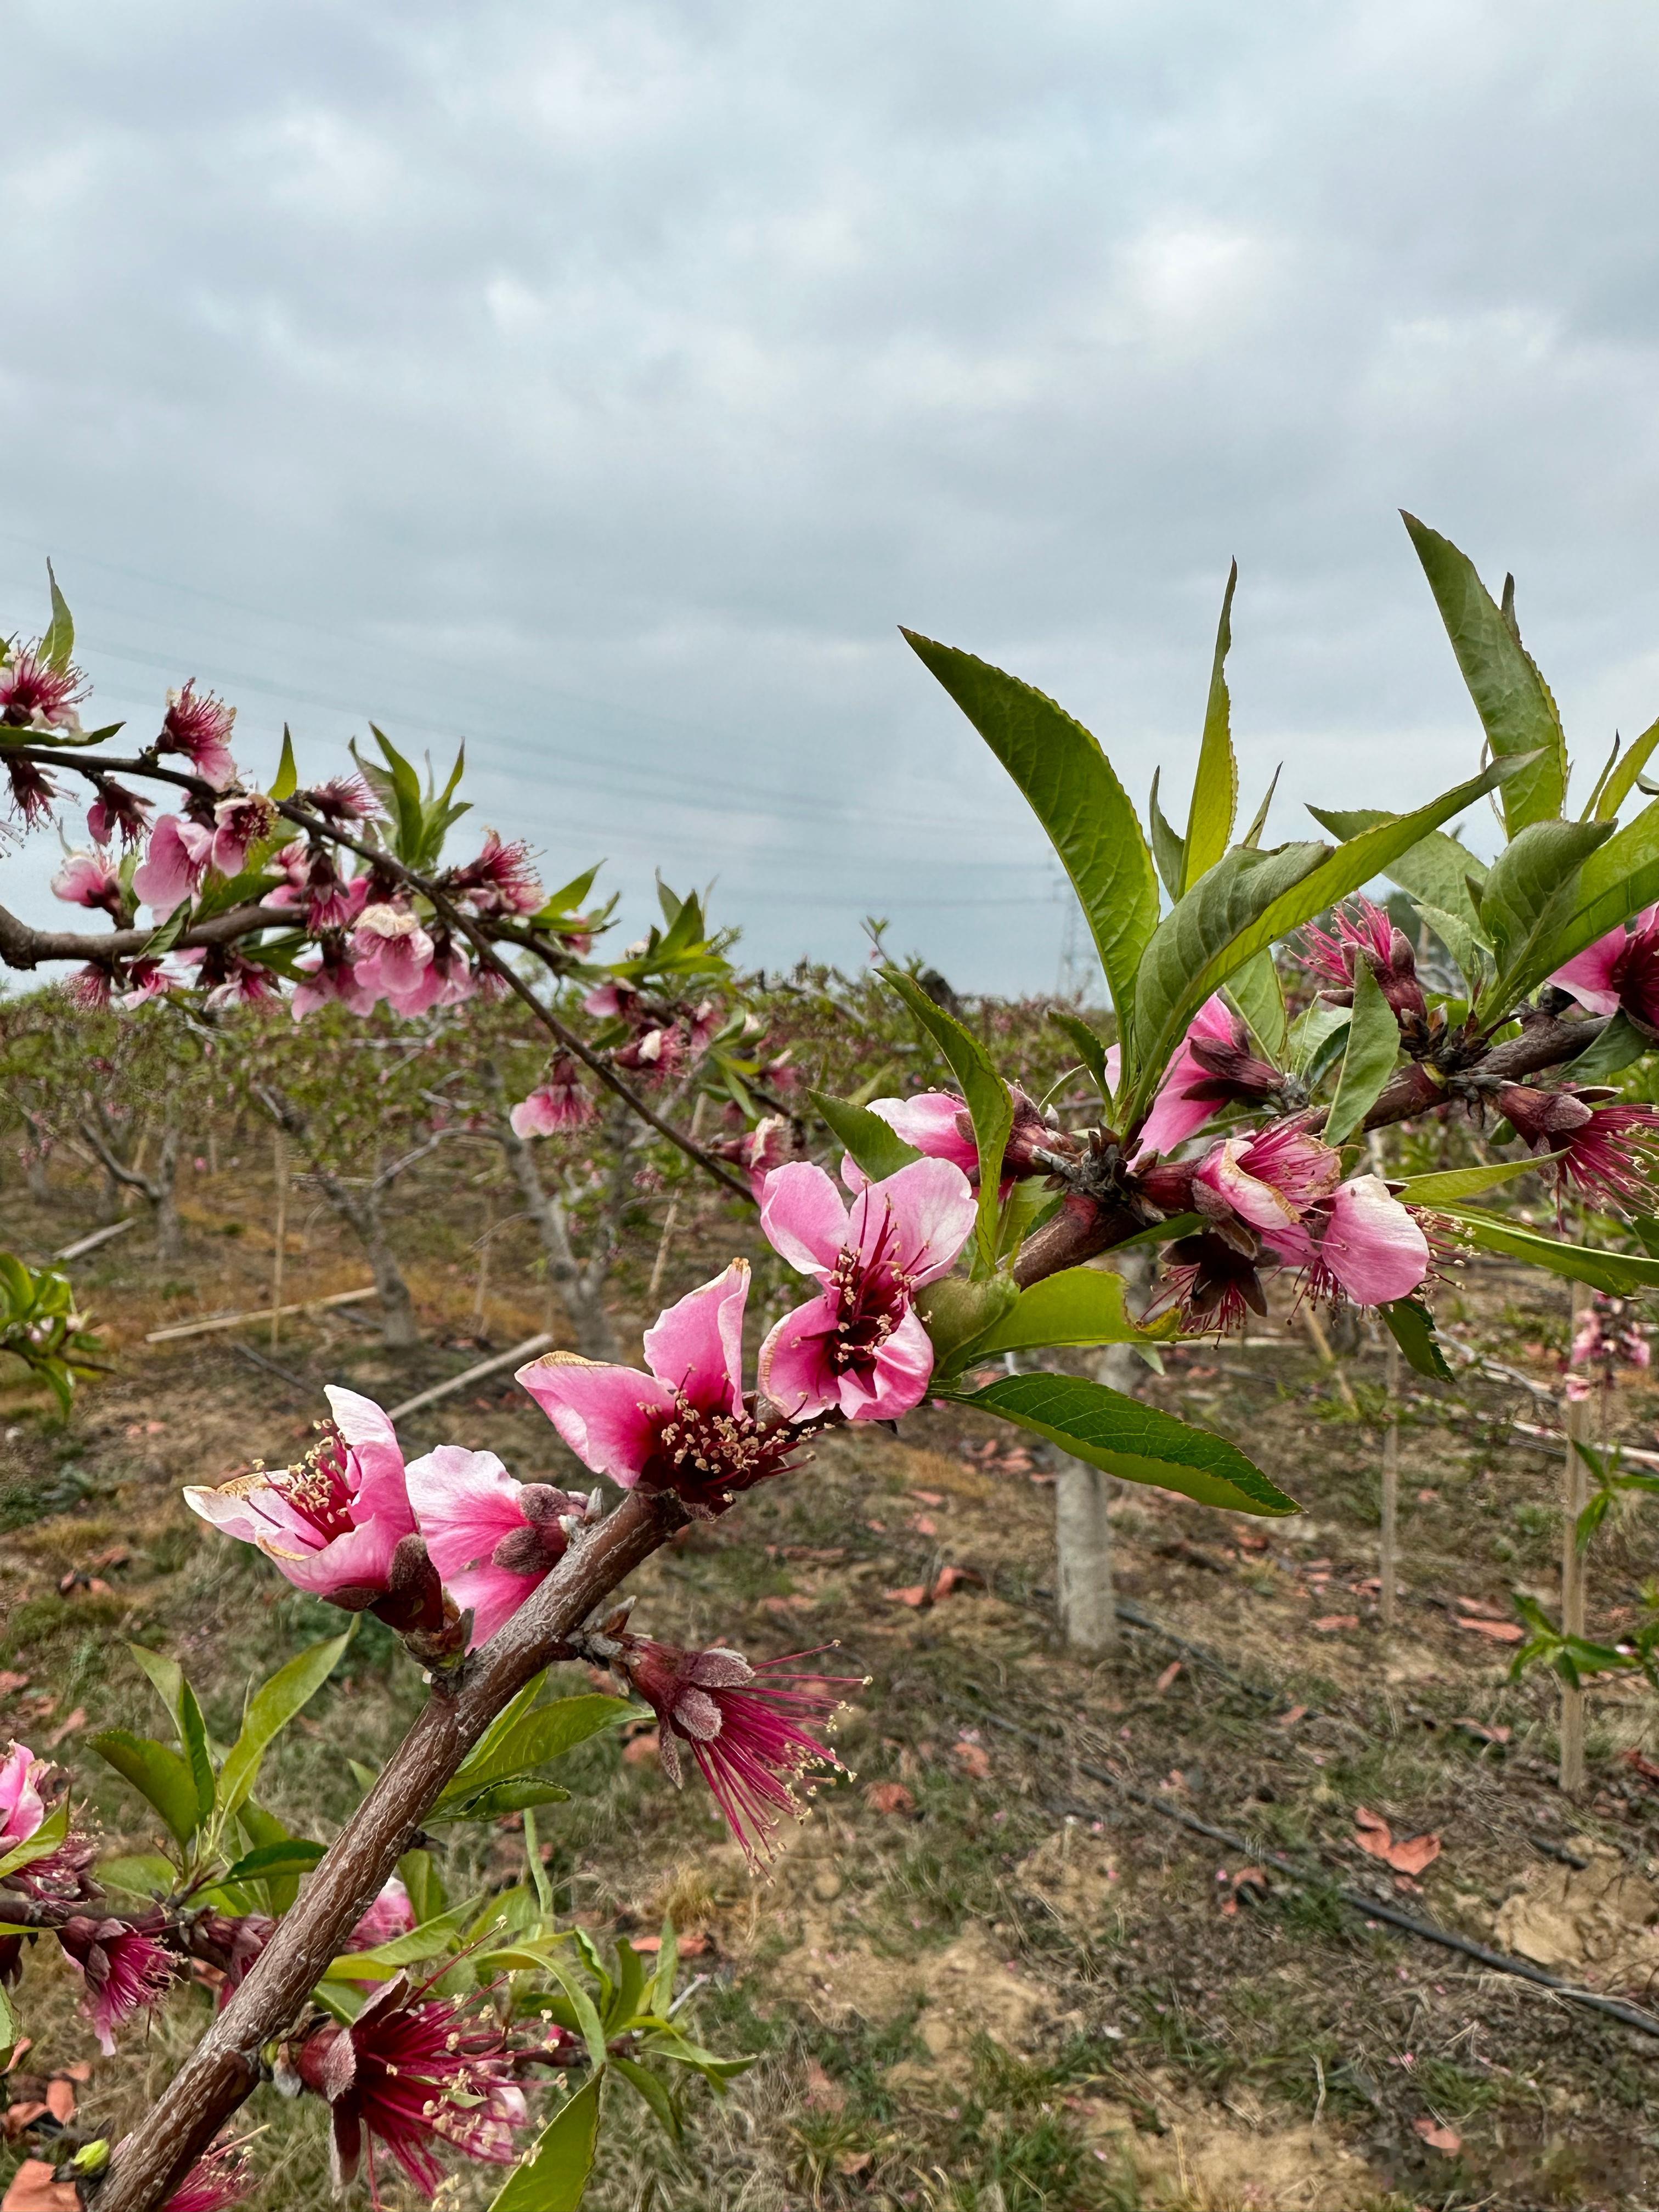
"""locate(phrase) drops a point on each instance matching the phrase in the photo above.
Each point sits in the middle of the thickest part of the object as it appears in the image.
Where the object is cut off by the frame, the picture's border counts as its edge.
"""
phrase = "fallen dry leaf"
(1330, 1623)
(36, 2189)
(77, 1719)
(1439, 2138)
(889, 1797)
(972, 1758)
(23, 2113)
(10, 1681)
(799, 1603)
(917, 1594)
(826, 2095)
(60, 2098)
(640, 1750)
(928, 1496)
(1479, 1608)
(1495, 1733)
(690, 1947)
(1290, 1719)
(1167, 1677)
(1500, 1631)
(925, 1525)
(1644, 1765)
(1409, 1856)
(25, 2044)
(955, 1578)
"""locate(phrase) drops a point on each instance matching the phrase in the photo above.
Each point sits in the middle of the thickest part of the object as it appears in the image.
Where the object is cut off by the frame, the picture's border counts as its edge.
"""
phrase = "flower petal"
(898, 1382)
(696, 1345)
(1372, 1245)
(803, 1218)
(464, 1502)
(916, 1222)
(1589, 974)
(795, 1369)
(608, 1415)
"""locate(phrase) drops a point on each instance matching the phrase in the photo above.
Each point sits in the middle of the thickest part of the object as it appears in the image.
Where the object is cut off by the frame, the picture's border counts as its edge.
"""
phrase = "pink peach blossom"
(87, 879)
(857, 1346)
(239, 823)
(493, 1540)
(391, 950)
(391, 1914)
(22, 1809)
(1619, 971)
(559, 1101)
(198, 724)
(1268, 1178)
(123, 1969)
(175, 864)
(34, 696)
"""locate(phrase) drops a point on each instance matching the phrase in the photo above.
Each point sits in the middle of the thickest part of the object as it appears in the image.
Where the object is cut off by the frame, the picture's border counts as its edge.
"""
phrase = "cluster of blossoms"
(1607, 1337)
(656, 1039)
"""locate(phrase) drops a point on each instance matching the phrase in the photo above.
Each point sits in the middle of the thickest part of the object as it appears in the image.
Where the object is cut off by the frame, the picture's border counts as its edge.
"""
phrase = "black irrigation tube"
(1372, 1908)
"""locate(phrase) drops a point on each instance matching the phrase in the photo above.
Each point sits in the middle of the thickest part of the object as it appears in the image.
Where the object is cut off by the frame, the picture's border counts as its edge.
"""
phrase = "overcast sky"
(606, 384)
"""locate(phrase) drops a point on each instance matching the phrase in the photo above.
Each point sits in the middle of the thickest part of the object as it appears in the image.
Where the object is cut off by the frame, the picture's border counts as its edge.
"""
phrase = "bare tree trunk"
(361, 1212)
(1082, 1494)
(581, 1290)
(156, 1189)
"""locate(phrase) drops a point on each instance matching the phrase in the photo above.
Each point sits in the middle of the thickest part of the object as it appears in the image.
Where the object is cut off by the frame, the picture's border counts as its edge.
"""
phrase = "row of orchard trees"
(1223, 1128)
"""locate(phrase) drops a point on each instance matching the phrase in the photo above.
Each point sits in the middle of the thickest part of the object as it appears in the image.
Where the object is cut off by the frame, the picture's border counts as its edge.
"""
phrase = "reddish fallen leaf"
(889, 1797)
(826, 2095)
(1644, 1766)
(1500, 1631)
(779, 1606)
(916, 1594)
(1371, 1587)
(1439, 2138)
(36, 2189)
(1495, 1733)
(972, 1758)
(1167, 1677)
(1479, 1608)
(690, 1947)
(10, 1681)
(1330, 1623)
(1290, 1719)
(640, 1750)
(880, 1526)
(1249, 1539)
(956, 1578)
(1409, 1856)
(1428, 1497)
(77, 1719)
(852, 2163)
(24, 2044)
(928, 1496)
(81, 2071)
(1250, 1877)
(22, 2114)
(60, 2098)
(925, 1525)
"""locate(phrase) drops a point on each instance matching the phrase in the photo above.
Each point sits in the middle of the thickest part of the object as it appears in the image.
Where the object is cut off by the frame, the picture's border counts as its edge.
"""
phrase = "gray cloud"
(606, 384)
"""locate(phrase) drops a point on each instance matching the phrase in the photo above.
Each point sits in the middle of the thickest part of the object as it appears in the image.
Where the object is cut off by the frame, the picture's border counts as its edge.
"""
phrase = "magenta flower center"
(872, 1297)
(703, 1446)
(317, 1489)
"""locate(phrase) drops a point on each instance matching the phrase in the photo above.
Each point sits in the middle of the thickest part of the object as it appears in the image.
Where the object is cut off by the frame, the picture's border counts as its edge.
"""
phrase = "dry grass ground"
(977, 1978)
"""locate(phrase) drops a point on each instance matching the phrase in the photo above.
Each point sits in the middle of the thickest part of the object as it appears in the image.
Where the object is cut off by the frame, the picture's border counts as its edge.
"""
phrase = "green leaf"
(408, 813)
(157, 1772)
(660, 1995)
(1076, 796)
(1615, 882)
(989, 1102)
(1511, 698)
(39, 1846)
(1215, 788)
(429, 1941)
(1619, 1045)
(1620, 1273)
(1091, 1049)
(262, 1827)
(11, 2028)
(1411, 1327)
(874, 1144)
(588, 2018)
(1436, 867)
(522, 1793)
(286, 781)
(653, 2092)
(630, 1982)
(192, 1733)
(1529, 898)
(1167, 849)
(1373, 1049)
(296, 1856)
(1139, 1443)
(1259, 996)
(166, 1679)
(58, 643)
(1450, 1186)
(1079, 1306)
(1252, 836)
(1620, 779)
(269, 1709)
(554, 2177)
(1252, 899)
(140, 1874)
(1464, 946)
(544, 1733)
(956, 1313)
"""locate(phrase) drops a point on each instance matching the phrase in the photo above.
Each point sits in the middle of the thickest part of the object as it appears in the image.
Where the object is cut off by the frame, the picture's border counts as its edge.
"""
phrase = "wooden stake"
(483, 1264)
(279, 1170)
(1388, 1569)
(1574, 1498)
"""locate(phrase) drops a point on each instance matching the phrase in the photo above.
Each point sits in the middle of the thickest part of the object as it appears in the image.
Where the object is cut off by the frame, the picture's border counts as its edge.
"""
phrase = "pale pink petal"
(359, 1560)
(172, 864)
(373, 1442)
(250, 1512)
(1175, 1117)
(803, 1218)
(492, 1594)
(1588, 975)
(1252, 1199)
(916, 1222)
(535, 1116)
(898, 1382)
(928, 1120)
(696, 1345)
(464, 1502)
(21, 1808)
(1372, 1245)
(795, 1370)
(1114, 1066)
(609, 1416)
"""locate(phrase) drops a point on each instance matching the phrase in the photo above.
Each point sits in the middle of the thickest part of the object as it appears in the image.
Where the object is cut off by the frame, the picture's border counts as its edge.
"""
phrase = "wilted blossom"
(175, 863)
(391, 1914)
(227, 977)
(33, 791)
(310, 878)
(87, 879)
(1364, 931)
(1212, 1277)
(333, 1521)
(145, 978)
(859, 1346)
(743, 1723)
(684, 1427)
(1618, 972)
(90, 988)
(117, 809)
(239, 823)
(198, 724)
(770, 1144)
(1269, 1178)
(656, 1051)
(558, 1102)
(125, 1971)
(341, 799)
(410, 2073)
(223, 2178)
(34, 696)
(501, 879)
(1212, 1066)
(1610, 1152)
(492, 1539)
